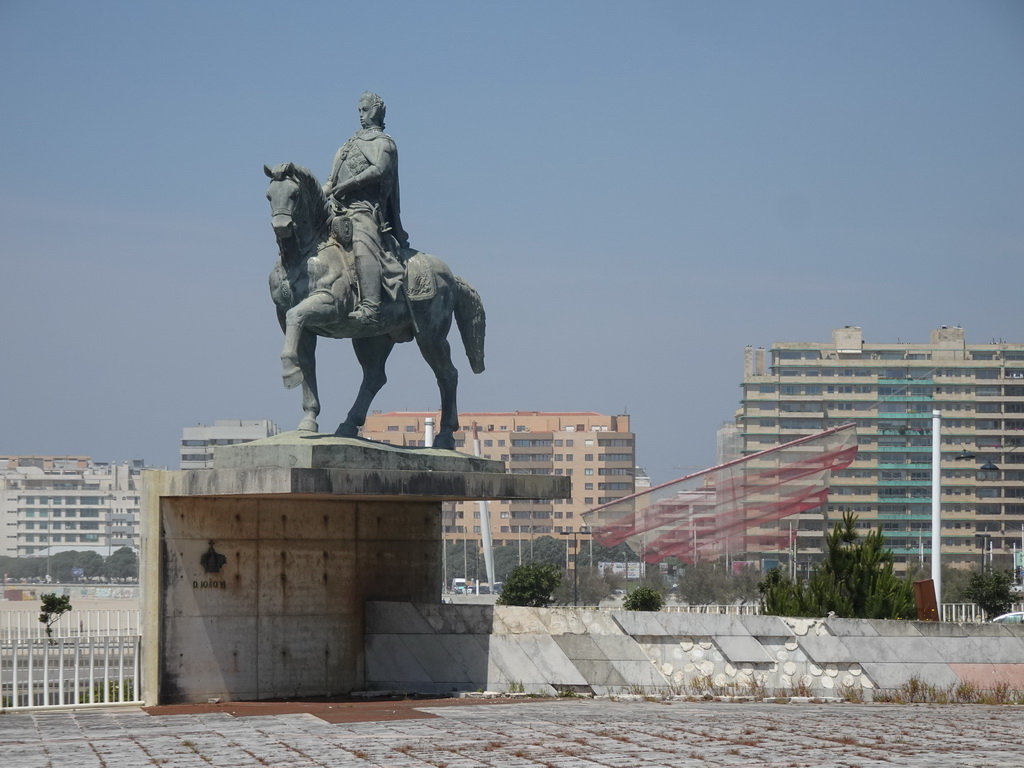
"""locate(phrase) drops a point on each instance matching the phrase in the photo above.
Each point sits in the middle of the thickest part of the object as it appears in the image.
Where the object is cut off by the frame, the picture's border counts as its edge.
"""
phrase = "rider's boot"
(368, 274)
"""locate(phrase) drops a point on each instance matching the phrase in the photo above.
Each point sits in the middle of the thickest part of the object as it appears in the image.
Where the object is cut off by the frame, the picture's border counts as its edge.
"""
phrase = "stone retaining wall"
(420, 648)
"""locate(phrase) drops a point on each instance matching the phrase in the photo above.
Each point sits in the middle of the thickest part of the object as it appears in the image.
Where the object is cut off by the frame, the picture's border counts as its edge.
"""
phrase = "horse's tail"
(469, 315)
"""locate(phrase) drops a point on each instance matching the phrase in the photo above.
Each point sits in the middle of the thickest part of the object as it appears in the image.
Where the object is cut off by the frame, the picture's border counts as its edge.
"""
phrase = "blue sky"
(637, 190)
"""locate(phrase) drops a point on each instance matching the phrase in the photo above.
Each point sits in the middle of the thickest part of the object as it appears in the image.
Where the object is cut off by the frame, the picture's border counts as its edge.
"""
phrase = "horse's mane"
(313, 197)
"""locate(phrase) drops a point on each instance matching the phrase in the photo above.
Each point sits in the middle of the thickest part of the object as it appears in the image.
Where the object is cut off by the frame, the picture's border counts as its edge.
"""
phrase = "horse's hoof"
(346, 430)
(308, 425)
(445, 442)
(292, 378)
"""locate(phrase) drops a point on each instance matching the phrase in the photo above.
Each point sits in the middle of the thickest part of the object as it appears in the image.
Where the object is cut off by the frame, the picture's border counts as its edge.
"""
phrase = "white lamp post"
(936, 508)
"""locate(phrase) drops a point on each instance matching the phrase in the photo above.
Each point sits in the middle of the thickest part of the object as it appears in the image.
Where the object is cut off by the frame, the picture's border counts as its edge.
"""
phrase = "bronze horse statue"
(313, 285)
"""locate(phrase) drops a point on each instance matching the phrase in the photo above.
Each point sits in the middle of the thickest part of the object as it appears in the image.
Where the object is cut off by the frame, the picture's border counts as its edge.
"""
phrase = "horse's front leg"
(307, 366)
(372, 354)
(295, 320)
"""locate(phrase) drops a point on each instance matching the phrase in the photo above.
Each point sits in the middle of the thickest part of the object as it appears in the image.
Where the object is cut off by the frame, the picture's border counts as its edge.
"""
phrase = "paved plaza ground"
(556, 734)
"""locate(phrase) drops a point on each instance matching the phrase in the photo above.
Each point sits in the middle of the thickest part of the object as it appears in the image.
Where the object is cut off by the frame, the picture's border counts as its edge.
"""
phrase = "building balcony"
(899, 449)
(907, 381)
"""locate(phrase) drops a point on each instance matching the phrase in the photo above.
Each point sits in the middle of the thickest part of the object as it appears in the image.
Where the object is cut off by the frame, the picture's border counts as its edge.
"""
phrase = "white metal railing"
(69, 672)
(747, 609)
(957, 612)
(970, 612)
(24, 623)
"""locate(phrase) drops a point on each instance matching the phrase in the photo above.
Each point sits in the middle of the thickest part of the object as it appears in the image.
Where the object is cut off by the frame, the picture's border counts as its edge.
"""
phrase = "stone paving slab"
(562, 733)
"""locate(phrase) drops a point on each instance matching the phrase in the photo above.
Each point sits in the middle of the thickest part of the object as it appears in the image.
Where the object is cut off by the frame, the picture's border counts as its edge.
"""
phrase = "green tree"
(644, 598)
(991, 591)
(62, 565)
(617, 554)
(547, 549)
(53, 607)
(90, 562)
(954, 584)
(591, 587)
(464, 559)
(706, 583)
(781, 597)
(122, 564)
(531, 585)
(505, 559)
(24, 567)
(856, 579)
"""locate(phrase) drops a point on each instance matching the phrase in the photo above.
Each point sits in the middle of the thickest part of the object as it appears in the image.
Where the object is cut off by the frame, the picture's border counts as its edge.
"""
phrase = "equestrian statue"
(346, 271)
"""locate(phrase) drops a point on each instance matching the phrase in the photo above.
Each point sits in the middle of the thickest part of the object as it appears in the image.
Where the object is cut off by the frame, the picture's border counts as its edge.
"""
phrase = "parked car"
(1017, 617)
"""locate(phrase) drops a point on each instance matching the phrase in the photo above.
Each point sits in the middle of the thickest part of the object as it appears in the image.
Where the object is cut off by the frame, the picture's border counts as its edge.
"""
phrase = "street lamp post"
(49, 538)
(575, 562)
(937, 507)
(986, 547)
(625, 562)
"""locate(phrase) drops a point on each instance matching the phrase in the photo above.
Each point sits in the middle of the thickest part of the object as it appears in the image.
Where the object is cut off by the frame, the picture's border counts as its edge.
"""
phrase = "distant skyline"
(637, 191)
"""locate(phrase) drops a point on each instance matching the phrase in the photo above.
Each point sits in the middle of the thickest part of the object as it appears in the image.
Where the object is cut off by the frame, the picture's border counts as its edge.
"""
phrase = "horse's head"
(284, 194)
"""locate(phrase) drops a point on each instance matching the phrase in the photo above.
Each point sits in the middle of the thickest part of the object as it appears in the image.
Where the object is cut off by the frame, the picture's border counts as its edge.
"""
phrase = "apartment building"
(51, 504)
(889, 391)
(198, 442)
(597, 450)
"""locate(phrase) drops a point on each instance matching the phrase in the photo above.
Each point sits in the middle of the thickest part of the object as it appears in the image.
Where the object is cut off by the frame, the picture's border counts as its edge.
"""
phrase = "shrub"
(991, 591)
(531, 585)
(643, 599)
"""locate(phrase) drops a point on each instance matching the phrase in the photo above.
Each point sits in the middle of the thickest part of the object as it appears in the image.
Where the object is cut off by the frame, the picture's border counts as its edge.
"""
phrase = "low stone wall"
(419, 648)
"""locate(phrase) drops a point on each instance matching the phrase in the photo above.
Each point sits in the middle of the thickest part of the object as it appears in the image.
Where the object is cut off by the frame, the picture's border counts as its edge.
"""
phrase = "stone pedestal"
(255, 572)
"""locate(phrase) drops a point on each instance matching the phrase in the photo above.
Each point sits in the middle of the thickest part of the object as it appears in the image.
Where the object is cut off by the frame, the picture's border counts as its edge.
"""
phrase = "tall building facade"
(597, 450)
(890, 390)
(198, 442)
(51, 504)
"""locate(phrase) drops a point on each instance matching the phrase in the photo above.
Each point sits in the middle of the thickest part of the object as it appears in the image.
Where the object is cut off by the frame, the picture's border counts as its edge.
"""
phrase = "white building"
(51, 504)
(198, 442)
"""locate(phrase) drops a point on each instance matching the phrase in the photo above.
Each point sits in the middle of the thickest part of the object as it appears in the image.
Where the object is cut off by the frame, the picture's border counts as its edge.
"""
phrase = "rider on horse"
(363, 188)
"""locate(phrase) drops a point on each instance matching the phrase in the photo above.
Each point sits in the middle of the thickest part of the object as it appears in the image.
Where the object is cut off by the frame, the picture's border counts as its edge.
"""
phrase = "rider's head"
(371, 110)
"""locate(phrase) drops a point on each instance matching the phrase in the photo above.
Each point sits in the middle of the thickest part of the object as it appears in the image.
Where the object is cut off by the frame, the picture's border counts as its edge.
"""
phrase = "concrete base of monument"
(256, 572)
